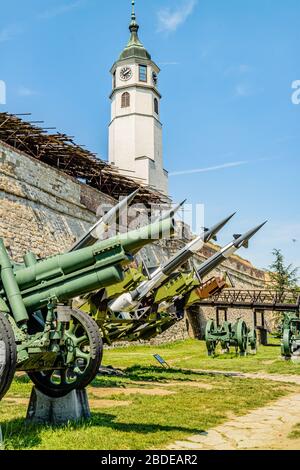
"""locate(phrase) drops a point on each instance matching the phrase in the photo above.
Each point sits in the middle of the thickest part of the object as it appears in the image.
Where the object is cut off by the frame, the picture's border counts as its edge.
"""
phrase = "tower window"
(125, 100)
(143, 73)
(115, 79)
(156, 109)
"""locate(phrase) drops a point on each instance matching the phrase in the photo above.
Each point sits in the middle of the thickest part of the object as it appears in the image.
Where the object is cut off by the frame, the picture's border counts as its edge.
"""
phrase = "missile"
(130, 300)
(238, 241)
(95, 233)
(171, 212)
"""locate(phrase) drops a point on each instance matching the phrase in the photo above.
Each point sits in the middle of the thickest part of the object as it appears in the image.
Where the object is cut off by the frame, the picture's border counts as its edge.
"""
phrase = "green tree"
(283, 277)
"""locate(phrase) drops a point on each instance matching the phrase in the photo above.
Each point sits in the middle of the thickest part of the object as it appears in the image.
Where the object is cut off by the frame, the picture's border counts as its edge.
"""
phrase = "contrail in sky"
(211, 168)
(220, 167)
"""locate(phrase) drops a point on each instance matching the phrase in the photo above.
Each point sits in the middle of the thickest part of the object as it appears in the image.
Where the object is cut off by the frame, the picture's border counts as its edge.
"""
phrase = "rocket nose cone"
(216, 228)
(247, 236)
(132, 195)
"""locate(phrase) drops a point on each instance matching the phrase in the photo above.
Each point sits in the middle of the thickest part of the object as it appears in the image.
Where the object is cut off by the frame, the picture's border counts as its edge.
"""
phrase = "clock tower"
(135, 131)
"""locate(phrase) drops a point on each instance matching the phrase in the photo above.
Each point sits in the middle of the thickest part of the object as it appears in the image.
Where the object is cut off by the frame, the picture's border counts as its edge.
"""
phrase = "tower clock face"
(125, 73)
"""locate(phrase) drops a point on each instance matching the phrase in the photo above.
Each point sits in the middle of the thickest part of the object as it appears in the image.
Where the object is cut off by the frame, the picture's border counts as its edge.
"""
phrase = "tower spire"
(134, 46)
(134, 27)
(133, 16)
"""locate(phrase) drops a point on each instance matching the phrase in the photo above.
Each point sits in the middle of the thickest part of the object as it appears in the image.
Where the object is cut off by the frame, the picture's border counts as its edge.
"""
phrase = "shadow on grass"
(152, 374)
(19, 435)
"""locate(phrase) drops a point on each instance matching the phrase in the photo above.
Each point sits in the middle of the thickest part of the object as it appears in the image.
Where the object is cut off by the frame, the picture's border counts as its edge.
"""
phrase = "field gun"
(228, 334)
(59, 347)
(290, 343)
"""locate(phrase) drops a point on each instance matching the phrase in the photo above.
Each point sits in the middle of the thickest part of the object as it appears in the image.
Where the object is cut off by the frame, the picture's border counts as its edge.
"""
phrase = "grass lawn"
(151, 407)
(295, 434)
(192, 354)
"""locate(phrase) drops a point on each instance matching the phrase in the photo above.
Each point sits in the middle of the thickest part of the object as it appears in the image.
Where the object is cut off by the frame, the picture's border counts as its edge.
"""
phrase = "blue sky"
(226, 80)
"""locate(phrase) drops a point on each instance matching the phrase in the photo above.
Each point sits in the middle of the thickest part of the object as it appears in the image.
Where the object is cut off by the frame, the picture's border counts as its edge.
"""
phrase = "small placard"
(161, 361)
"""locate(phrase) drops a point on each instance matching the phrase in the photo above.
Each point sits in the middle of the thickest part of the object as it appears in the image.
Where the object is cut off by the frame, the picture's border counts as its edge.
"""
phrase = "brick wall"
(42, 209)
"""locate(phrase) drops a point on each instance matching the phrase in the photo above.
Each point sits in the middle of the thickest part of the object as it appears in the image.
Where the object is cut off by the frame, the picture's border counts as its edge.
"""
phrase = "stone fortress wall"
(44, 210)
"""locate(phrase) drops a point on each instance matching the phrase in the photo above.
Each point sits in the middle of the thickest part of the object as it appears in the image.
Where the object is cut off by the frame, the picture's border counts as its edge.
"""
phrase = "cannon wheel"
(286, 343)
(225, 347)
(84, 346)
(8, 355)
(211, 345)
(242, 336)
(252, 339)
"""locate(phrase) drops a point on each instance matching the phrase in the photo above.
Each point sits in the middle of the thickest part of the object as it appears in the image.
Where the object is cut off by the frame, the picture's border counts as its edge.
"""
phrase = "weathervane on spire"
(134, 27)
(133, 17)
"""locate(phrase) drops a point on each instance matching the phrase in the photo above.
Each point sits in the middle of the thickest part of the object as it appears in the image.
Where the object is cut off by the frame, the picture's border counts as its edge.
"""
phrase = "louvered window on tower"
(125, 100)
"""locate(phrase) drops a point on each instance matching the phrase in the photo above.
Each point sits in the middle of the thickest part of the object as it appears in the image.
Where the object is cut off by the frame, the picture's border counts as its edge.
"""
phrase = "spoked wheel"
(210, 344)
(8, 355)
(252, 340)
(286, 346)
(225, 346)
(242, 336)
(83, 351)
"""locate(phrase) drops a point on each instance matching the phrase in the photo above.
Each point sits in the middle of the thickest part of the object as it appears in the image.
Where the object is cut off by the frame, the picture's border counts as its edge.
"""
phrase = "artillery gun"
(59, 347)
(290, 343)
(237, 335)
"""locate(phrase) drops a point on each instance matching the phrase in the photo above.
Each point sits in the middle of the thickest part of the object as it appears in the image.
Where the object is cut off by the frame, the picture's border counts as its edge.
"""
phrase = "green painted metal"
(179, 285)
(161, 314)
(229, 334)
(139, 310)
(34, 299)
(290, 343)
(11, 287)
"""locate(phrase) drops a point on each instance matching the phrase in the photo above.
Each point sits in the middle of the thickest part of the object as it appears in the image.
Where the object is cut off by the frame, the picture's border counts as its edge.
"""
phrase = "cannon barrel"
(68, 288)
(56, 266)
(95, 232)
(130, 300)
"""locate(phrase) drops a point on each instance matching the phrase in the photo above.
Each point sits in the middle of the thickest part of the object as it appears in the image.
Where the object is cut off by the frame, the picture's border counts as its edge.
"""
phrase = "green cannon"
(237, 335)
(40, 333)
(290, 343)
